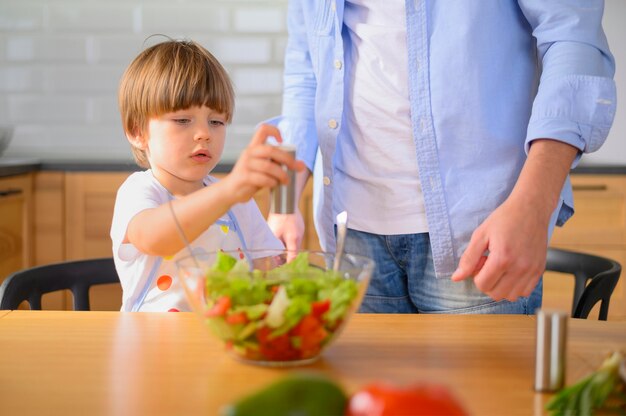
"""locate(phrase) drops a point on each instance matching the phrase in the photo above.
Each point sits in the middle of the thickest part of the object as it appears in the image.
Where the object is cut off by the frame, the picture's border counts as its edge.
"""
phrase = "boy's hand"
(260, 166)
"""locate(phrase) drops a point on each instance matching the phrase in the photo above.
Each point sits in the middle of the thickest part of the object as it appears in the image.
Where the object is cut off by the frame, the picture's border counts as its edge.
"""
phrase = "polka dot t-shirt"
(150, 283)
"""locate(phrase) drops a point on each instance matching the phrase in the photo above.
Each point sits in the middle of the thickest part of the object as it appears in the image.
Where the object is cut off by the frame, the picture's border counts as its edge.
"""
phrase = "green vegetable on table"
(602, 389)
(301, 394)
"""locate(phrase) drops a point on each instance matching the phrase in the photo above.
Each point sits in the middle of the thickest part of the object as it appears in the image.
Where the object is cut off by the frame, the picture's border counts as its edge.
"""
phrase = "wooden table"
(111, 363)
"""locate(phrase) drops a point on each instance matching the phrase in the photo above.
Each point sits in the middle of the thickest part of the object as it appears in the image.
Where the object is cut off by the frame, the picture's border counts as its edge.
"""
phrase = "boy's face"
(184, 146)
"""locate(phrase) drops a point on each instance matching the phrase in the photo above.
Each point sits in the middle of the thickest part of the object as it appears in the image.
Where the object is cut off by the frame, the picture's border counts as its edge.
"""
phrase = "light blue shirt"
(486, 77)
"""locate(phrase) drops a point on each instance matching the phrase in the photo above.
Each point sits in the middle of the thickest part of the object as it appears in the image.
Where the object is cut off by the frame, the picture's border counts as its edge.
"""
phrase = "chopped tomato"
(320, 307)
(380, 399)
(221, 306)
(311, 333)
(275, 348)
(237, 318)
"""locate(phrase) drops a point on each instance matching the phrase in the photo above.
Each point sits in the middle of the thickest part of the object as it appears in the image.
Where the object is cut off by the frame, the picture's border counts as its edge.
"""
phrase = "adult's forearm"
(301, 180)
(543, 175)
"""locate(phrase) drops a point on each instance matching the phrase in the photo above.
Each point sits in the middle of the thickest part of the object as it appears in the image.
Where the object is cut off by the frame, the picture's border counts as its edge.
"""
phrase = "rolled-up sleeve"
(297, 123)
(576, 99)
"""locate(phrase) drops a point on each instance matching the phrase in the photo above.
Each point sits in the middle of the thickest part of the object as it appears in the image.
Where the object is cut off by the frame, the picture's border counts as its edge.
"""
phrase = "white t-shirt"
(150, 283)
(377, 163)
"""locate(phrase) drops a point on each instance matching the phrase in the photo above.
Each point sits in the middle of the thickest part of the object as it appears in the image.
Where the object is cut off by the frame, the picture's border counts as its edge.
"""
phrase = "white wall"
(61, 60)
(614, 150)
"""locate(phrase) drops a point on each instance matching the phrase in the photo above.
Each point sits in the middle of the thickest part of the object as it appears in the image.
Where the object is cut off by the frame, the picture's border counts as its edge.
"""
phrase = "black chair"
(600, 273)
(77, 276)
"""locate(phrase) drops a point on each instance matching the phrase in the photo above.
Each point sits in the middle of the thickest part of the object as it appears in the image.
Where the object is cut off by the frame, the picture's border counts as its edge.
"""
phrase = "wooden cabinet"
(89, 201)
(16, 230)
(73, 213)
(597, 227)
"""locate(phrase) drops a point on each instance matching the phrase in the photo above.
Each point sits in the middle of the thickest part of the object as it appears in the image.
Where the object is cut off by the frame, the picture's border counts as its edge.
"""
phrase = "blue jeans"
(404, 280)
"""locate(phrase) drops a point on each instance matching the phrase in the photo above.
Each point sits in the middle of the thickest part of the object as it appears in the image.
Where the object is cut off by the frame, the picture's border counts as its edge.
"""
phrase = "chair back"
(595, 278)
(77, 276)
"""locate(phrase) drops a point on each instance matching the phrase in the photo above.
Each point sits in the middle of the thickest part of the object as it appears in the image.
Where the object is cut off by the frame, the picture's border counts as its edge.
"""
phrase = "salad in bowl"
(279, 309)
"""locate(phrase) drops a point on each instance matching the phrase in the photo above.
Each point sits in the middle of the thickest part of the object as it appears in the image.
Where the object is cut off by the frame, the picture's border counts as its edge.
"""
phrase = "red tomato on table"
(380, 399)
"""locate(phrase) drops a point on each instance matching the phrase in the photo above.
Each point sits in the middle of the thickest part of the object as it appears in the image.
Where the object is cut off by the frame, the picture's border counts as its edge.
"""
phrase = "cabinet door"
(49, 217)
(600, 205)
(15, 224)
(89, 202)
(49, 225)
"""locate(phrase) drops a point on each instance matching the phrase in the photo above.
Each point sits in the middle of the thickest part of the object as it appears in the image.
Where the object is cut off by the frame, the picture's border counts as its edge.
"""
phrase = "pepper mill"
(550, 350)
(283, 197)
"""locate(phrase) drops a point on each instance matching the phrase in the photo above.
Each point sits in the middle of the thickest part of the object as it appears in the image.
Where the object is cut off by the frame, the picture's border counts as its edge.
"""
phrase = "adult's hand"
(515, 236)
(289, 228)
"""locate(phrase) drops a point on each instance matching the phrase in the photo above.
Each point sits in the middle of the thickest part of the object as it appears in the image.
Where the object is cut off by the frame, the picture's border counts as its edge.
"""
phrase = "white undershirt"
(377, 177)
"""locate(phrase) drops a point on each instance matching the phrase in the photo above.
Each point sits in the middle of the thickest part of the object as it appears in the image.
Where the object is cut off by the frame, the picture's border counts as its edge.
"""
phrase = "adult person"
(446, 130)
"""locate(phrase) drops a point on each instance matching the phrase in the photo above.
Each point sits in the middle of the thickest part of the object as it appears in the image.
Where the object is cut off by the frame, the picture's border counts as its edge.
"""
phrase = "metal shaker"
(283, 197)
(550, 352)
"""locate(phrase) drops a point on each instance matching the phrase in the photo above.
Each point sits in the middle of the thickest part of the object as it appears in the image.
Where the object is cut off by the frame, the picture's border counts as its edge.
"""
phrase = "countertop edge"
(19, 167)
(16, 167)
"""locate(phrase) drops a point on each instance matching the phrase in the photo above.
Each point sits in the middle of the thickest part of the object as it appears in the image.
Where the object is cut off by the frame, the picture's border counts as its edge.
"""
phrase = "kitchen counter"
(10, 167)
(600, 170)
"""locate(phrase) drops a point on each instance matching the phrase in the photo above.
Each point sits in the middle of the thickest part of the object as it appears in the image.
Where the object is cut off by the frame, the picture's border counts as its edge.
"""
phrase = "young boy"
(175, 101)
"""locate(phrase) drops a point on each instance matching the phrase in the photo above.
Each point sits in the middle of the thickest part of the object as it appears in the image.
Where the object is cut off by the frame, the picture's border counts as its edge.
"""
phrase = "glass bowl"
(284, 309)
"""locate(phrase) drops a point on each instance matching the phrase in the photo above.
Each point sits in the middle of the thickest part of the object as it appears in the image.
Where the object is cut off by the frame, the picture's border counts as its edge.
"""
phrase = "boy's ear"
(137, 140)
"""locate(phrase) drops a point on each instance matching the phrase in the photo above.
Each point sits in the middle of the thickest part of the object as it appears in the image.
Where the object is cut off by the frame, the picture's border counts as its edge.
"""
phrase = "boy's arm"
(154, 231)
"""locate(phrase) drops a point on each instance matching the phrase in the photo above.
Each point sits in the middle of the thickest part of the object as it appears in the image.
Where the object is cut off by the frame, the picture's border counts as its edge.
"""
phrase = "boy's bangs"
(190, 78)
(193, 88)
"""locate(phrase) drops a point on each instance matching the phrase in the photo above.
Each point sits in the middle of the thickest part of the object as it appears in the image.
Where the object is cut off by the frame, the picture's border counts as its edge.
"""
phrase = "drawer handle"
(589, 187)
(9, 192)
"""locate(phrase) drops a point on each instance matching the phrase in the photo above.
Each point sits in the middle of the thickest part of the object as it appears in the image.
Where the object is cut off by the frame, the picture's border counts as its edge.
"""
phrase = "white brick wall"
(60, 64)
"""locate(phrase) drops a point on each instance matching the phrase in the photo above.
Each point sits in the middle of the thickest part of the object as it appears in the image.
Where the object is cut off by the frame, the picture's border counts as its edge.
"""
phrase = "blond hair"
(167, 77)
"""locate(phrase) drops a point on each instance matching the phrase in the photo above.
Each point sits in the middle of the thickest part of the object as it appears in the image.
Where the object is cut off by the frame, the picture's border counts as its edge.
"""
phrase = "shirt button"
(423, 124)
(333, 6)
(332, 123)
(326, 180)
(338, 64)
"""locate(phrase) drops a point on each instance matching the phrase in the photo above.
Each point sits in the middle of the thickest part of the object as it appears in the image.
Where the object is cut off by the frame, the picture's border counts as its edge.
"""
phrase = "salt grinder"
(550, 351)
(283, 197)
